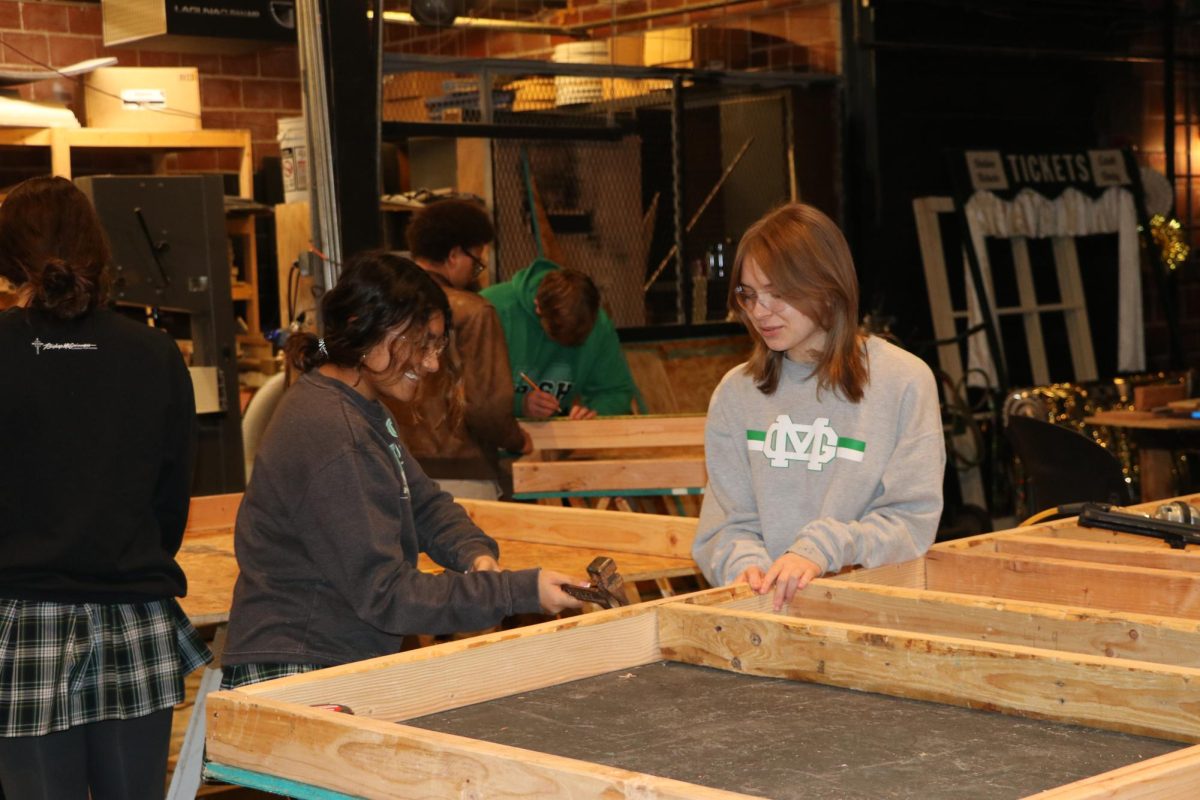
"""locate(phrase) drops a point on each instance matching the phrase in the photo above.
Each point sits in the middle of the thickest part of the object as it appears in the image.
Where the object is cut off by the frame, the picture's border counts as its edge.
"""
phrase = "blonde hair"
(807, 261)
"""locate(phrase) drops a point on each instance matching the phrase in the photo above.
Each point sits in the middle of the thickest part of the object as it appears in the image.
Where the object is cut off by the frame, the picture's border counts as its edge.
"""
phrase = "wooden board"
(611, 456)
(613, 432)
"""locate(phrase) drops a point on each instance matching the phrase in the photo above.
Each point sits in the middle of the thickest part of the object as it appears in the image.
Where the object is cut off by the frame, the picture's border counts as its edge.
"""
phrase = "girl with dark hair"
(336, 511)
(825, 449)
(98, 427)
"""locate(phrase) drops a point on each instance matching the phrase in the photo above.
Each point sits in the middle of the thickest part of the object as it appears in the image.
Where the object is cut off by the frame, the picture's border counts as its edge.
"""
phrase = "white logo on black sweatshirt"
(39, 346)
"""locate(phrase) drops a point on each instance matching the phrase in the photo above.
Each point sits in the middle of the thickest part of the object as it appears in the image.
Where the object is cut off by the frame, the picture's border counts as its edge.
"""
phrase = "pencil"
(529, 381)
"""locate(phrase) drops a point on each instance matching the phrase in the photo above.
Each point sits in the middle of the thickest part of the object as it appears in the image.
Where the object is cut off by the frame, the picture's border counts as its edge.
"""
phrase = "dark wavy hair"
(51, 240)
(440, 227)
(804, 255)
(568, 303)
(377, 292)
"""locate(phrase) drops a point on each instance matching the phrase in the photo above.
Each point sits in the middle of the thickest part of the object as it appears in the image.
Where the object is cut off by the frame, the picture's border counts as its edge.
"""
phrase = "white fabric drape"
(1072, 213)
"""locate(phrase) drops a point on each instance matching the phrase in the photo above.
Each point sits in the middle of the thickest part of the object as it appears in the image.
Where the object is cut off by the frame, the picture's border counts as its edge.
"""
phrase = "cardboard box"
(143, 98)
(696, 48)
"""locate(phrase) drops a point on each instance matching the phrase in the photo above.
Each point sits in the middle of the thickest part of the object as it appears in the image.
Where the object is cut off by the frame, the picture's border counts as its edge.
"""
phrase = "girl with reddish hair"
(825, 449)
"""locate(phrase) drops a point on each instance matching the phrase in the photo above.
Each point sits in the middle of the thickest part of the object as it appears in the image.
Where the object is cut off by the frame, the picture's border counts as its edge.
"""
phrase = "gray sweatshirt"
(838, 483)
(328, 534)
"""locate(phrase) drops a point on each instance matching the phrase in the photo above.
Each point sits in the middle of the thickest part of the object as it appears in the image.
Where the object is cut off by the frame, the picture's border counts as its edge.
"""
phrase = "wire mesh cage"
(647, 176)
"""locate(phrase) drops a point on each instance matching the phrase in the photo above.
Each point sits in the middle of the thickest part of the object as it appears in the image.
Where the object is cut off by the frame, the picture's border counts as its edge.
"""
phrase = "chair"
(1062, 466)
(258, 414)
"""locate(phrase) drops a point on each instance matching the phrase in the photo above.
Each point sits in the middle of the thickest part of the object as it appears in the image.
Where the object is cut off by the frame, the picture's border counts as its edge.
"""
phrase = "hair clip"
(321, 347)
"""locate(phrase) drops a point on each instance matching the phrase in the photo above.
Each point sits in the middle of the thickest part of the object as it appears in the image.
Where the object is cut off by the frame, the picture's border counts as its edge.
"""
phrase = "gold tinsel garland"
(1167, 234)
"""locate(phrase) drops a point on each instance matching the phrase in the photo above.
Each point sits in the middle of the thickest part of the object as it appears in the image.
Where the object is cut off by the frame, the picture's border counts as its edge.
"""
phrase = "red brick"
(673, 21)
(222, 120)
(205, 64)
(196, 161)
(67, 50)
(261, 94)
(125, 58)
(280, 62)
(25, 49)
(10, 15)
(293, 96)
(86, 19)
(49, 17)
(265, 149)
(155, 58)
(240, 64)
(220, 92)
(230, 160)
(597, 13)
(261, 124)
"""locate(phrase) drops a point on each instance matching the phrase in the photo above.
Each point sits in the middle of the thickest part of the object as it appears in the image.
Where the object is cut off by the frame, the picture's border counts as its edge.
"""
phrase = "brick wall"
(250, 90)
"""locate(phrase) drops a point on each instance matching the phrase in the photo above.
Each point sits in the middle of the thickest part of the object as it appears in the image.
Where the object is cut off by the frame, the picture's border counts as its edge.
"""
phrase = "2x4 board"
(1051, 622)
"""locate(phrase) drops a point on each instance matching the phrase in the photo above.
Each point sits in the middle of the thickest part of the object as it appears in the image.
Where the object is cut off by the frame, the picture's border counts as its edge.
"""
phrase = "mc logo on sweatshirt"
(817, 444)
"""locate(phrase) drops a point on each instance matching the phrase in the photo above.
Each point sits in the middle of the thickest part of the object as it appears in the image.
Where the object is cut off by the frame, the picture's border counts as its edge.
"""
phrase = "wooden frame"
(612, 456)
(1047, 650)
(645, 547)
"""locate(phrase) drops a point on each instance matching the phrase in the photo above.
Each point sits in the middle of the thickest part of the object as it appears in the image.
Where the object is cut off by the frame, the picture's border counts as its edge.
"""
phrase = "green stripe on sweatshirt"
(756, 440)
(851, 449)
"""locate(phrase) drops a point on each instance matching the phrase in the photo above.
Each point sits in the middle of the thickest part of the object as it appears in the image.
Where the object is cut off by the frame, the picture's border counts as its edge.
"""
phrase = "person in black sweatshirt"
(98, 422)
(337, 510)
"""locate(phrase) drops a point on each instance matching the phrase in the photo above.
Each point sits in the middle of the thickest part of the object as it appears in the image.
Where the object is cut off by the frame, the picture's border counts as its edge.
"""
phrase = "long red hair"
(807, 261)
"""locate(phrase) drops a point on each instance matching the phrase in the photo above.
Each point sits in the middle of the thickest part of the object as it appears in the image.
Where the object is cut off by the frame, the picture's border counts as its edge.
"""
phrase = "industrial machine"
(168, 241)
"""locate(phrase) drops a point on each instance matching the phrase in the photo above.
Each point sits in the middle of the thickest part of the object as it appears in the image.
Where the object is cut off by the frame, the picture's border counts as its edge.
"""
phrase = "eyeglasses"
(480, 266)
(432, 347)
(747, 298)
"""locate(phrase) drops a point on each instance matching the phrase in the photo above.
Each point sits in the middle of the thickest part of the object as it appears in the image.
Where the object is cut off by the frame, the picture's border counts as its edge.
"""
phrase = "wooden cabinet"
(62, 141)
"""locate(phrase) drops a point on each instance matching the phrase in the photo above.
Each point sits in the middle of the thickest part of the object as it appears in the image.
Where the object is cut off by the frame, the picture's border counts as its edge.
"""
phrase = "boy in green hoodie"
(562, 341)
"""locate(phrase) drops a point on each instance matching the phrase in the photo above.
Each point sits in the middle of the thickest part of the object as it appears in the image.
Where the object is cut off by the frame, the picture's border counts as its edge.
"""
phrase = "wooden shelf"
(62, 141)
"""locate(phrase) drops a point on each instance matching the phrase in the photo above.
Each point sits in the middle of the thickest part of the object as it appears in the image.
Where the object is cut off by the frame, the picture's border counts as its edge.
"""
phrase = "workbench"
(1052, 623)
(607, 457)
(1157, 438)
(647, 550)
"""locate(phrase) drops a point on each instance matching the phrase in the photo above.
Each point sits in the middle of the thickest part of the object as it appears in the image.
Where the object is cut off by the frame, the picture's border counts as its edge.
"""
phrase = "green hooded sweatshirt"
(593, 374)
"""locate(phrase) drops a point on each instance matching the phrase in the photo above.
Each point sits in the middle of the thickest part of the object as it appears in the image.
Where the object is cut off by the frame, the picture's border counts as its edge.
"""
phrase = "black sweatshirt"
(97, 435)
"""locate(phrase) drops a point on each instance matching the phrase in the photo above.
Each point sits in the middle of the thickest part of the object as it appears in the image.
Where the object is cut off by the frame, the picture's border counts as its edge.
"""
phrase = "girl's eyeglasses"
(747, 298)
(432, 347)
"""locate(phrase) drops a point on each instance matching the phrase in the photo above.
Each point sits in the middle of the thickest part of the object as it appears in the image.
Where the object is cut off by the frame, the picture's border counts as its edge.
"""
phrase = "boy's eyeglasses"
(747, 298)
(480, 266)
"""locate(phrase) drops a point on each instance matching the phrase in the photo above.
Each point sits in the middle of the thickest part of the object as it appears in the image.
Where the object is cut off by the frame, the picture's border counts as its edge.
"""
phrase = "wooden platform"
(1037, 623)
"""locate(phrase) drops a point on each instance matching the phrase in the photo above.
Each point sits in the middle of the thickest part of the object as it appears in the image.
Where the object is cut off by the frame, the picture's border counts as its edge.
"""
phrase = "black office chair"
(1062, 466)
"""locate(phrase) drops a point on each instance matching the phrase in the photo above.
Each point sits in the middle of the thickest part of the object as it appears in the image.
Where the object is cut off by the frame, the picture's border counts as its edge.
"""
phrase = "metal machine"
(168, 241)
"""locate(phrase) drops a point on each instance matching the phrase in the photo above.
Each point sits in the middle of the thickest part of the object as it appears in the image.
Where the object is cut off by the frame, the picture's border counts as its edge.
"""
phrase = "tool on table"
(607, 588)
(1176, 534)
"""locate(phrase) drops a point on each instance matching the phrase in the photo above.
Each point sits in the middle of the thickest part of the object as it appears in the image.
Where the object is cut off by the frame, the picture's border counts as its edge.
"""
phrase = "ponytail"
(60, 290)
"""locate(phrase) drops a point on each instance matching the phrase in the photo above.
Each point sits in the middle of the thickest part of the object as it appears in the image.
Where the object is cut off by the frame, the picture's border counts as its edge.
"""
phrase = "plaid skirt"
(235, 675)
(64, 664)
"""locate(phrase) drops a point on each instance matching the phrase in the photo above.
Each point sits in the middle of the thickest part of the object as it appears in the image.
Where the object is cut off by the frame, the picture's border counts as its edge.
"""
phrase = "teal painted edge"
(272, 784)
(607, 493)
